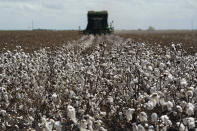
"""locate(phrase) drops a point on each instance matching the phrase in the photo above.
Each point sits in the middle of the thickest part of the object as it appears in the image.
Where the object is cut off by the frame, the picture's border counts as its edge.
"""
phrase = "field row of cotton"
(99, 83)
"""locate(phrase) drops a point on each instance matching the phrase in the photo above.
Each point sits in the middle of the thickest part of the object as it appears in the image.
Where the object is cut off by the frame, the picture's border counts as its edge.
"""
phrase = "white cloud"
(69, 14)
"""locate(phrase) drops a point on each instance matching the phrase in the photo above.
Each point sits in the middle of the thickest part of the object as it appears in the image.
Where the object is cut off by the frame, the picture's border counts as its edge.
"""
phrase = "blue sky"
(126, 14)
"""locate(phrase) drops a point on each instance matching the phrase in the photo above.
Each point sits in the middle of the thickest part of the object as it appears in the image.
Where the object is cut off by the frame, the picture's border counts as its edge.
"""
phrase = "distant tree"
(139, 29)
(150, 28)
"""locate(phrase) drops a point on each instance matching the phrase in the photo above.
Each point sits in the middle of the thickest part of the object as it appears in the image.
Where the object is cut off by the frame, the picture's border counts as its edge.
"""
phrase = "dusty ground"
(33, 40)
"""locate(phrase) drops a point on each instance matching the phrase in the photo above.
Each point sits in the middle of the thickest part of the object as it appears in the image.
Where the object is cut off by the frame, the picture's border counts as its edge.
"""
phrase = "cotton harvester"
(98, 23)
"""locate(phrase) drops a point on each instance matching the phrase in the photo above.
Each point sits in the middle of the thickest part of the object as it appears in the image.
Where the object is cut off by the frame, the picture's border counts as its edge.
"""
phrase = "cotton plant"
(141, 127)
(134, 127)
(3, 113)
(165, 119)
(169, 105)
(182, 127)
(86, 124)
(154, 117)
(58, 126)
(46, 124)
(179, 108)
(129, 112)
(183, 82)
(189, 92)
(120, 83)
(190, 109)
(143, 117)
(189, 122)
(71, 113)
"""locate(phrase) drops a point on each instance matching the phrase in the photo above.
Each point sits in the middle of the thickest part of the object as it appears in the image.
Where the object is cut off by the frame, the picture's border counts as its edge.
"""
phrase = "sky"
(70, 14)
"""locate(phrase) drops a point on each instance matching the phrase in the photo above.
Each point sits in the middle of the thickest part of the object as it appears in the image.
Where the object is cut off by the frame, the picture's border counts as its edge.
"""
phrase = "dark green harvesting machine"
(98, 23)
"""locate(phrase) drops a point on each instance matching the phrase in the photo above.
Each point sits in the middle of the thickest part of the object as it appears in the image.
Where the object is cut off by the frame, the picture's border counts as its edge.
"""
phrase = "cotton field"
(99, 83)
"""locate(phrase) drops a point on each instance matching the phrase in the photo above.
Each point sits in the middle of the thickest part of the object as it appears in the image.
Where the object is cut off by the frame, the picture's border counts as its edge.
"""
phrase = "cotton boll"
(109, 100)
(86, 125)
(83, 125)
(3, 90)
(7, 124)
(182, 127)
(140, 98)
(190, 109)
(150, 68)
(166, 120)
(153, 89)
(71, 94)
(161, 65)
(71, 113)
(150, 128)
(156, 72)
(54, 97)
(134, 127)
(6, 98)
(169, 105)
(184, 104)
(104, 92)
(154, 117)
(30, 129)
(20, 117)
(189, 94)
(21, 107)
(103, 129)
(179, 108)
(164, 128)
(141, 128)
(58, 126)
(30, 120)
(191, 88)
(168, 63)
(44, 120)
(182, 92)
(162, 101)
(88, 95)
(168, 56)
(129, 114)
(183, 82)
(103, 114)
(3, 113)
(170, 77)
(195, 91)
(97, 124)
(190, 122)
(116, 77)
(150, 105)
(135, 80)
(143, 116)
(173, 47)
(48, 125)
(155, 97)
(90, 126)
